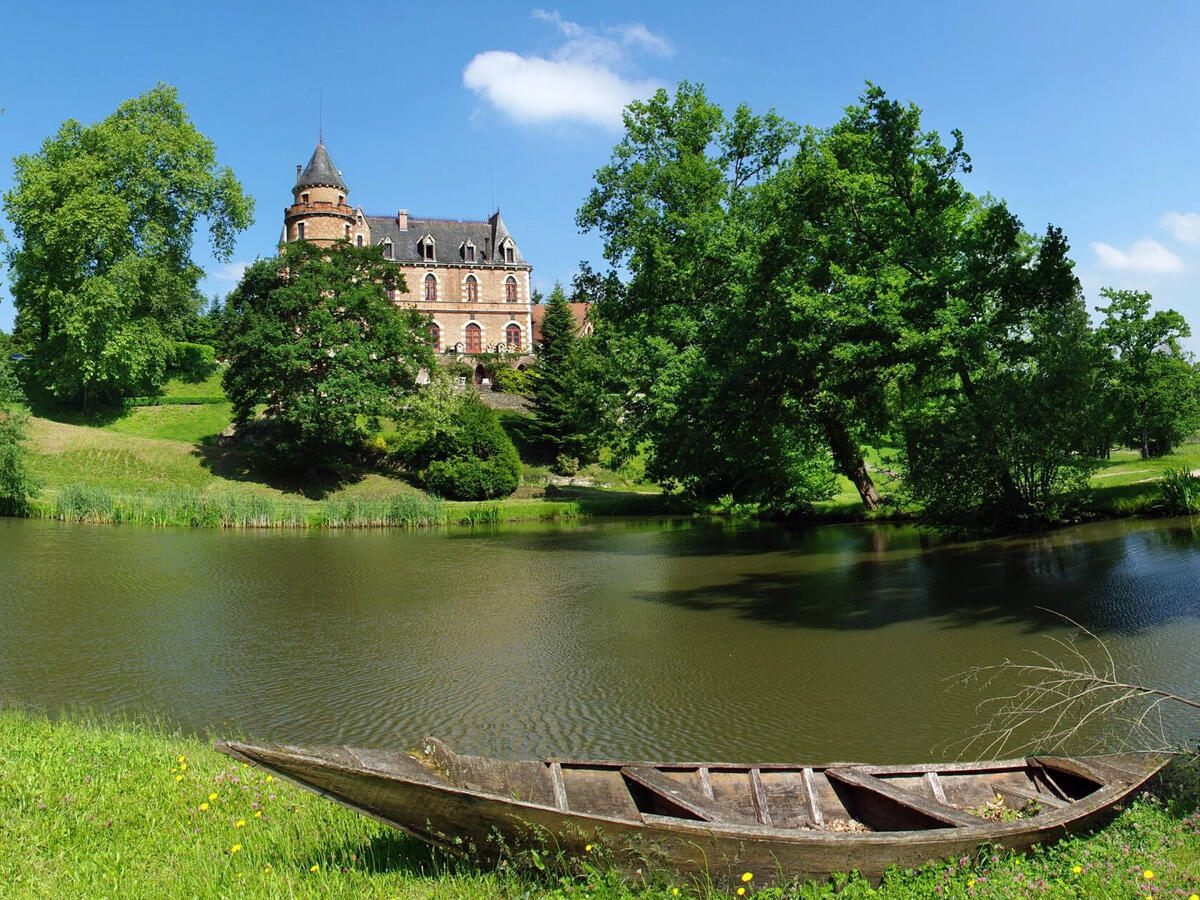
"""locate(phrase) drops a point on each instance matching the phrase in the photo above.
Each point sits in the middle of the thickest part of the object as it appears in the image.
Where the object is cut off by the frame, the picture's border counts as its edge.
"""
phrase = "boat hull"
(425, 799)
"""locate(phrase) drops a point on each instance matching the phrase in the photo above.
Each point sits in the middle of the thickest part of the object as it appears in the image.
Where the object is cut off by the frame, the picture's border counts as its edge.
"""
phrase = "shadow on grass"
(599, 502)
(71, 414)
(394, 851)
(234, 464)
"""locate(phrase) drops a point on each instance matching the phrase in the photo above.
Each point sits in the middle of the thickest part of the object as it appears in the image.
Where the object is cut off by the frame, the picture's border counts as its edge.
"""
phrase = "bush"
(468, 456)
(514, 381)
(193, 362)
(565, 464)
(1179, 491)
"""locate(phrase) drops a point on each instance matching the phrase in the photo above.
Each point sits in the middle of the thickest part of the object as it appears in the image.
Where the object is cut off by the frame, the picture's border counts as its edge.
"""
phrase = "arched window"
(474, 338)
(300, 231)
(435, 337)
(359, 237)
(510, 290)
(472, 289)
(430, 289)
(512, 337)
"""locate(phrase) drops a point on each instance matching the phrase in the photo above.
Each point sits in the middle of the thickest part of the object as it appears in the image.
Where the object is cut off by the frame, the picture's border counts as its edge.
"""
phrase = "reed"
(1179, 492)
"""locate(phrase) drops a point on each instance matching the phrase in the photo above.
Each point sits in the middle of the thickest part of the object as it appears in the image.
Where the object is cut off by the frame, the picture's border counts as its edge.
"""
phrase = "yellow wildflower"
(314, 867)
(241, 823)
(183, 767)
(741, 892)
(203, 807)
(236, 848)
(1148, 875)
(270, 778)
(674, 892)
(266, 868)
(587, 848)
(1076, 869)
(212, 798)
(181, 759)
(179, 778)
(746, 876)
(1194, 897)
(971, 883)
(258, 814)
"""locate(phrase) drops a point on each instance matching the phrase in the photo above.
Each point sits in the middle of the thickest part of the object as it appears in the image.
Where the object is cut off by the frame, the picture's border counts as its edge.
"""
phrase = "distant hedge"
(171, 401)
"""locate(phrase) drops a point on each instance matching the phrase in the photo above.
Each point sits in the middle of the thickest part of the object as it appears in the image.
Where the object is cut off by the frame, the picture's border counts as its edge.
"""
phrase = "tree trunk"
(850, 461)
(1145, 433)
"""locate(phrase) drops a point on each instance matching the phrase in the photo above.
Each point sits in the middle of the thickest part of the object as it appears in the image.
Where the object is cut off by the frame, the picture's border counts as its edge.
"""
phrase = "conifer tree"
(552, 396)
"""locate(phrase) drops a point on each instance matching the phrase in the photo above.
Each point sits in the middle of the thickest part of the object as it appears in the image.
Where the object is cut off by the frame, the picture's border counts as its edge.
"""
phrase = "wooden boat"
(715, 820)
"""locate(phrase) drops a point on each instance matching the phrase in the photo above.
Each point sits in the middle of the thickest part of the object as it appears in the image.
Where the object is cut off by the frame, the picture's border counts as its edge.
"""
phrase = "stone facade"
(468, 276)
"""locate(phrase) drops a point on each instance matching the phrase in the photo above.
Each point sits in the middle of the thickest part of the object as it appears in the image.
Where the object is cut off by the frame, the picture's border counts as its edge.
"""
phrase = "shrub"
(193, 362)
(1179, 492)
(565, 464)
(469, 457)
(514, 381)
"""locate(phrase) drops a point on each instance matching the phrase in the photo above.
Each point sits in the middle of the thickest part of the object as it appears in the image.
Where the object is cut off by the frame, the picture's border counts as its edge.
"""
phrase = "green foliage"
(17, 484)
(1179, 492)
(103, 218)
(314, 338)
(1153, 392)
(193, 363)
(467, 455)
(509, 380)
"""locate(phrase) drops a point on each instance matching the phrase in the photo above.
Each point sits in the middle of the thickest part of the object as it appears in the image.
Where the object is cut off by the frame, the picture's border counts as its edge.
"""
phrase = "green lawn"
(100, 810)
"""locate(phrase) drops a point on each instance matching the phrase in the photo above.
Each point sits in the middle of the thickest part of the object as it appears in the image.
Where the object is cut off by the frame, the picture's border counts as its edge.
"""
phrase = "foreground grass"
(93, 810)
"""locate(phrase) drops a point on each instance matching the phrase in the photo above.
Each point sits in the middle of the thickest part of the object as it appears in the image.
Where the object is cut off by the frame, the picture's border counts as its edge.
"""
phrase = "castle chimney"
(402, 220)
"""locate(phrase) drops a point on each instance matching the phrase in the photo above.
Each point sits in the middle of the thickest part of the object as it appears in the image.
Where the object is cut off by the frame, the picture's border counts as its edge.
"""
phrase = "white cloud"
(581, 80)
(1184, 227)
(1145, 256)
(229, 271)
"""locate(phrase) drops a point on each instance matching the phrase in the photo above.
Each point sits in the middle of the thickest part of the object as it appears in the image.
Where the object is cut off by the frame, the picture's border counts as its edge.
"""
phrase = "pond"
(674, 639)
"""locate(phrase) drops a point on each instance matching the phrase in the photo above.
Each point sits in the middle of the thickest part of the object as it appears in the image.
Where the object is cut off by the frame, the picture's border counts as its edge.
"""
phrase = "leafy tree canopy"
(104, 217)
(313, 338)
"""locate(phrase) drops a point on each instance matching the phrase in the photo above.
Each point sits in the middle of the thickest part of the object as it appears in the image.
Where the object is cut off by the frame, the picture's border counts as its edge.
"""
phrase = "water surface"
(613, 639)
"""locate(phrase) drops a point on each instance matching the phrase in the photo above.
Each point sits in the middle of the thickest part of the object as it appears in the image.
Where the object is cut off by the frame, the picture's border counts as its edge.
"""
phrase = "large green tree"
(1153, 387)
(314, 339)
(670, 208)
(17, 485)
(104, 217)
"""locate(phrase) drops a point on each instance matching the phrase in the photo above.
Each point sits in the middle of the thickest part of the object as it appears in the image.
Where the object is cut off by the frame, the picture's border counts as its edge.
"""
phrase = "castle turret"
(319, 212)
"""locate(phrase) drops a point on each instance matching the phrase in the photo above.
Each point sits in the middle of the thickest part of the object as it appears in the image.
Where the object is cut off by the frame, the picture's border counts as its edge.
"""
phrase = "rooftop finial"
(321, 114)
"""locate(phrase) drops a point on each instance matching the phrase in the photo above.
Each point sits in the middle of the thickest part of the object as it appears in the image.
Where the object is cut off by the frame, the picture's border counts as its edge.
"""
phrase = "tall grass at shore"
(113, 809)
(190, 508)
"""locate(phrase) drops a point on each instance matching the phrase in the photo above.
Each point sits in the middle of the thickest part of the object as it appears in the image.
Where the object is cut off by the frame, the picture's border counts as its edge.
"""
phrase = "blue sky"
(1080, 114)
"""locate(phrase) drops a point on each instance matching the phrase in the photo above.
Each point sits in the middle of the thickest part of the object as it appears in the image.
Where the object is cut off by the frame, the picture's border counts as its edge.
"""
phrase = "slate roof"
(449, 237)
(321, 172)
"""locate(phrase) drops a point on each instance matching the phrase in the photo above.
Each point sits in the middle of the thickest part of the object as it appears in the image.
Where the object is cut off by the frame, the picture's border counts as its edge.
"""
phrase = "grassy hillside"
(164, 465)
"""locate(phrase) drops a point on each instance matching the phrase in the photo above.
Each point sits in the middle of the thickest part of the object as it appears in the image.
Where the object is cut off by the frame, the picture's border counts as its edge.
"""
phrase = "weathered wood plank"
(1073, 767)
(672, 794)
(815, 815)
(901, 803)
(935, 786)
(1024, 795)
(560, 789)
(705, 782)
(761, 811)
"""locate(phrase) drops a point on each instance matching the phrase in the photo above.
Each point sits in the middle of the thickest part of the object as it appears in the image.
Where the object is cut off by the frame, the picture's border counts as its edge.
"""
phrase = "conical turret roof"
(321, 172)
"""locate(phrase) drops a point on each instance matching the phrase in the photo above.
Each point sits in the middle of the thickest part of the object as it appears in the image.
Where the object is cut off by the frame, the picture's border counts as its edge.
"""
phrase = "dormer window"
(506, 251)
(425, 249)
(387, 249)
(469, 252)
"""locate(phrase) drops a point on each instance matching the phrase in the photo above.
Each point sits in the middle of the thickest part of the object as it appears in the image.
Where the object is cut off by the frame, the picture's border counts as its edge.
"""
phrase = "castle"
(468, 276)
